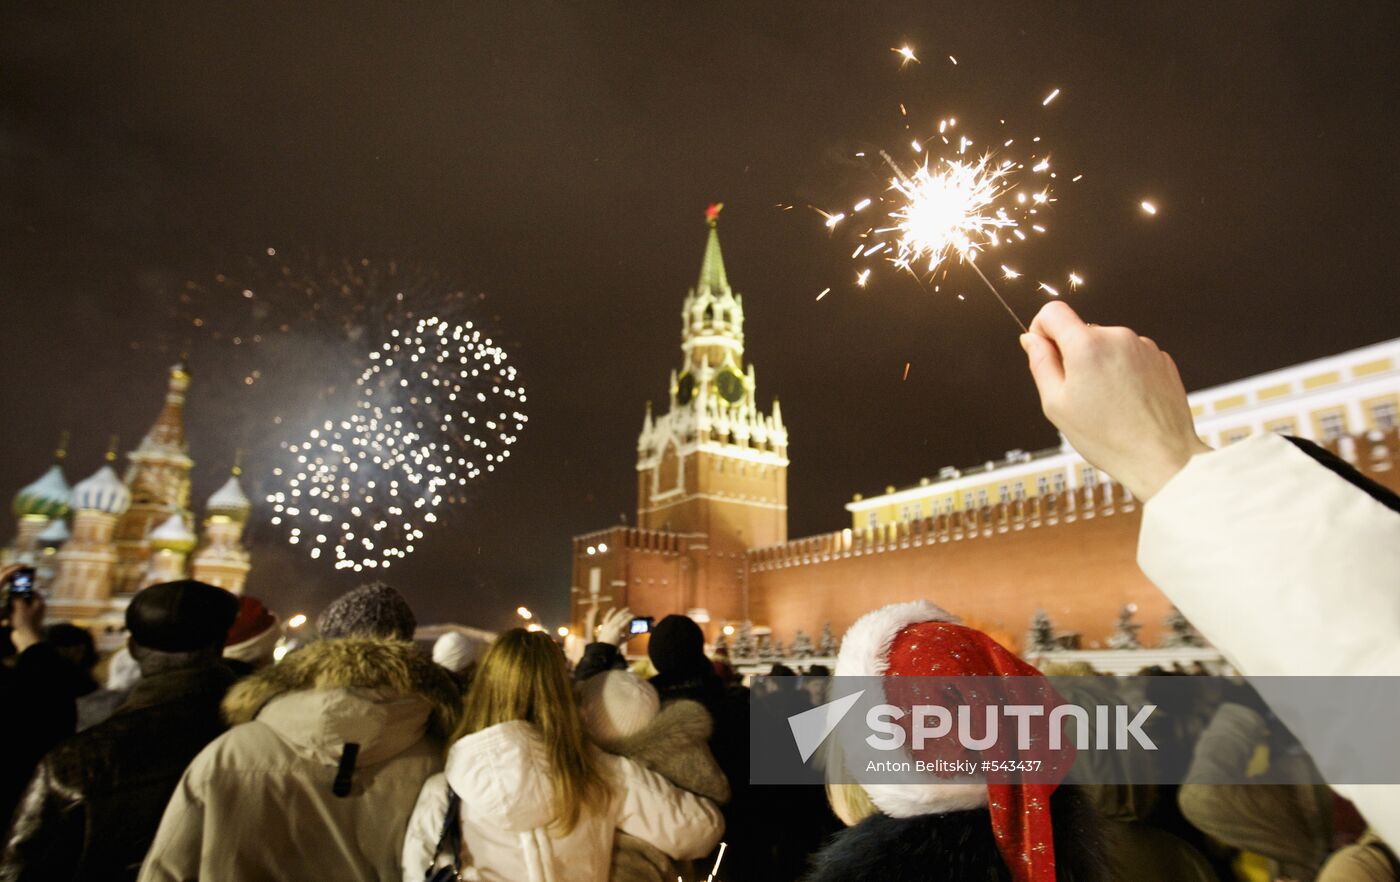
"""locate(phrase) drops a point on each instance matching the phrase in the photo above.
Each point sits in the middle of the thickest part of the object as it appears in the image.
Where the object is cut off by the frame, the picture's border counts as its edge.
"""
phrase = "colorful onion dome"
(48, 497)
(103, 492)
(229, 500)
(173, 535)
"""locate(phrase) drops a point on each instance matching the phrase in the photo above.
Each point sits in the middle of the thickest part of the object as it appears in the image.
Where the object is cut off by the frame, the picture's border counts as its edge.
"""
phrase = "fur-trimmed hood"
(675, 745)
(376, 671)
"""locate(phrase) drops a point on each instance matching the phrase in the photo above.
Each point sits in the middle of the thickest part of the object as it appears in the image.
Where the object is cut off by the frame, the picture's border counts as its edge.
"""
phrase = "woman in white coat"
(538, 803)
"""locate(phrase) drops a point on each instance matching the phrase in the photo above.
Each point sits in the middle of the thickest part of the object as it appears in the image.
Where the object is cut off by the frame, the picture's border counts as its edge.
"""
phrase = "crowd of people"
(364, 756)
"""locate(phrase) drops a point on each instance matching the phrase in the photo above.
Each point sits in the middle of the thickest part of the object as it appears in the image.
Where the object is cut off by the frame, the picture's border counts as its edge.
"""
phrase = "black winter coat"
(41, 687)
(96, 800)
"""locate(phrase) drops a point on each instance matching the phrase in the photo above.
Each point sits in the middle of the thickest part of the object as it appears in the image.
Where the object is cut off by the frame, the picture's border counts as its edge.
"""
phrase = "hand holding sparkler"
(1117, 398)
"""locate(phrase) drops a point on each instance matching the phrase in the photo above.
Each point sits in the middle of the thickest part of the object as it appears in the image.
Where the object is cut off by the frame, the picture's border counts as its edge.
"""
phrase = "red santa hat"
(918, 639)
(254, 634)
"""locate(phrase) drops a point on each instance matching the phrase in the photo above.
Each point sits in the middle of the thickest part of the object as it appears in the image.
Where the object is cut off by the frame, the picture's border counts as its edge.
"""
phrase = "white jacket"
(1290, 570)
(503, 778)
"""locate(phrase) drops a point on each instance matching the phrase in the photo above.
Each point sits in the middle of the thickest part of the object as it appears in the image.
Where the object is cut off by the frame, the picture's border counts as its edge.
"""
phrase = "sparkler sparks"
(905, 53)
(1075, 280)
(956, 203)
(1148, 207)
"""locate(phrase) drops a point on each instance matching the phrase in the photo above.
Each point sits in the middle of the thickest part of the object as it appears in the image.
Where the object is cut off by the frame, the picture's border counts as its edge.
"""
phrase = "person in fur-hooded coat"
(623, 715)
(320, 772)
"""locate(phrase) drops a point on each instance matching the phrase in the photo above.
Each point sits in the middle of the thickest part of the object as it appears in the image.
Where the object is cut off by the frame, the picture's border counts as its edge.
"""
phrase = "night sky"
(557, 157)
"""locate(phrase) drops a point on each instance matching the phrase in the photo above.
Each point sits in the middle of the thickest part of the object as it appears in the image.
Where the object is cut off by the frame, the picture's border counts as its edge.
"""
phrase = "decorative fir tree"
(765, 647)
(1041, 635)
(721, 643)
(743, 642)
(827, 647)
(778, 649)
(1180, 631)
(1125, 635)
(801, 645)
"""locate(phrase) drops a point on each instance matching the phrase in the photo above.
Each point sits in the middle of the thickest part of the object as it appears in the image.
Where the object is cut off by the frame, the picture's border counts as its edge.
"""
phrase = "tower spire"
(712, 275)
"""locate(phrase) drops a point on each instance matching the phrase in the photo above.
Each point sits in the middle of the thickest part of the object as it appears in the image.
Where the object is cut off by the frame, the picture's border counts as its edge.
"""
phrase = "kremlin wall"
(995, 543)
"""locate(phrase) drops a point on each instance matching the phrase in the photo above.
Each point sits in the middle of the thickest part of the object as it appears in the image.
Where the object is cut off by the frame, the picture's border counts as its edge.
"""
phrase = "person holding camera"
(95, 801)
(38, 687)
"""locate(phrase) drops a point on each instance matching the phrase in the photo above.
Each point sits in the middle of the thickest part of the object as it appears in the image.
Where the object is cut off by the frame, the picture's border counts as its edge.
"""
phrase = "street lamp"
(296, 621)
(524, 613)
(563, 631)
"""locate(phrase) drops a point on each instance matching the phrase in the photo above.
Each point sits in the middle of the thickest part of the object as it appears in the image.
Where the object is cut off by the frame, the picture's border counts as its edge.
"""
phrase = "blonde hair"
(849, 801)
(524, 676)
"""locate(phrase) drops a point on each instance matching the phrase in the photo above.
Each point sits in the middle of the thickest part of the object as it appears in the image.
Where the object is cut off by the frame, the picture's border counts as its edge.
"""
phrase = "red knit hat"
(253, 619)
(920, 640)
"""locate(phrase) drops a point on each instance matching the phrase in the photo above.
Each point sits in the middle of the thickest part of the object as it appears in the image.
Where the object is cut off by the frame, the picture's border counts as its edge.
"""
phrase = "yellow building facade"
(1338, 398)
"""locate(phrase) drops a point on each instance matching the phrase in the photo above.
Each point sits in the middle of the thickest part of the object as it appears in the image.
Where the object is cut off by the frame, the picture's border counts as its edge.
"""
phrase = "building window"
(1235, 436)
(982, 498)
(1332, 425)
(948, 505)
(1042, 486)
(1003, 494)
(967, 501)
(1283, 427)
(1091, 476)
(872, 520)
(905, 514)
(1383, 414)
(1020, 491)
(1059, 482)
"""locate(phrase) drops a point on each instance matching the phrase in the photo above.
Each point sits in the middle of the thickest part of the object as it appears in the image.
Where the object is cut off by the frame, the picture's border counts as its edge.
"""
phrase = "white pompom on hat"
(456, 651)
(616, 705)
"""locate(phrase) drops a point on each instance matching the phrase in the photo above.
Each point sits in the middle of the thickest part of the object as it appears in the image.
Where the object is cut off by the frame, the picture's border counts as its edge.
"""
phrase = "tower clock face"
(730, 386)
(685, 389)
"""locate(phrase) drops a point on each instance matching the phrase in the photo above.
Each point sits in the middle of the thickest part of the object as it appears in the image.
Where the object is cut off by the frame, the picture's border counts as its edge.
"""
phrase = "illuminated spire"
(712, 276)
(167, 434)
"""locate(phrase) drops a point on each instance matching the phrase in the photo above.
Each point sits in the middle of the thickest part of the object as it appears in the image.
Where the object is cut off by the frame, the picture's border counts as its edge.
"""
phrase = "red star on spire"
(712, 213)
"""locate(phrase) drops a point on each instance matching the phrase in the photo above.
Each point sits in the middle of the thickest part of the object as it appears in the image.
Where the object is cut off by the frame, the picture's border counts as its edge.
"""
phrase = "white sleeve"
(1289, 570)
(1285, 566)
(678, 822)
(424, 828)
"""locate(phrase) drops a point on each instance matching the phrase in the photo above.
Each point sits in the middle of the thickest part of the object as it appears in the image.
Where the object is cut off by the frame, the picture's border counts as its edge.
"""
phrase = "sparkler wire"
(997, 294)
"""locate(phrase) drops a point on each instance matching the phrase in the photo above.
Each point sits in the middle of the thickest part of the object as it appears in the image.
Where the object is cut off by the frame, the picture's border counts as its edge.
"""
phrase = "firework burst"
(404, 399)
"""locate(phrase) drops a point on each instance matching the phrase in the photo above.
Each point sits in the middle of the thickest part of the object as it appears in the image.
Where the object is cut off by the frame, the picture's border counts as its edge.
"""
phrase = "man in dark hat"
(95, 801)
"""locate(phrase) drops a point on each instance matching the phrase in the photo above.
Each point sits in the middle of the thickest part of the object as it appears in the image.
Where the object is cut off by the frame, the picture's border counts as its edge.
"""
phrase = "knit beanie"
(372, 610)
(456, 651)
(615, 705)
(677, 647)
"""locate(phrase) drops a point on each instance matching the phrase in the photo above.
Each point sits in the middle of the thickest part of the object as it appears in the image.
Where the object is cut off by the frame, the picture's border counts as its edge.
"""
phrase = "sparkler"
(954, 205)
